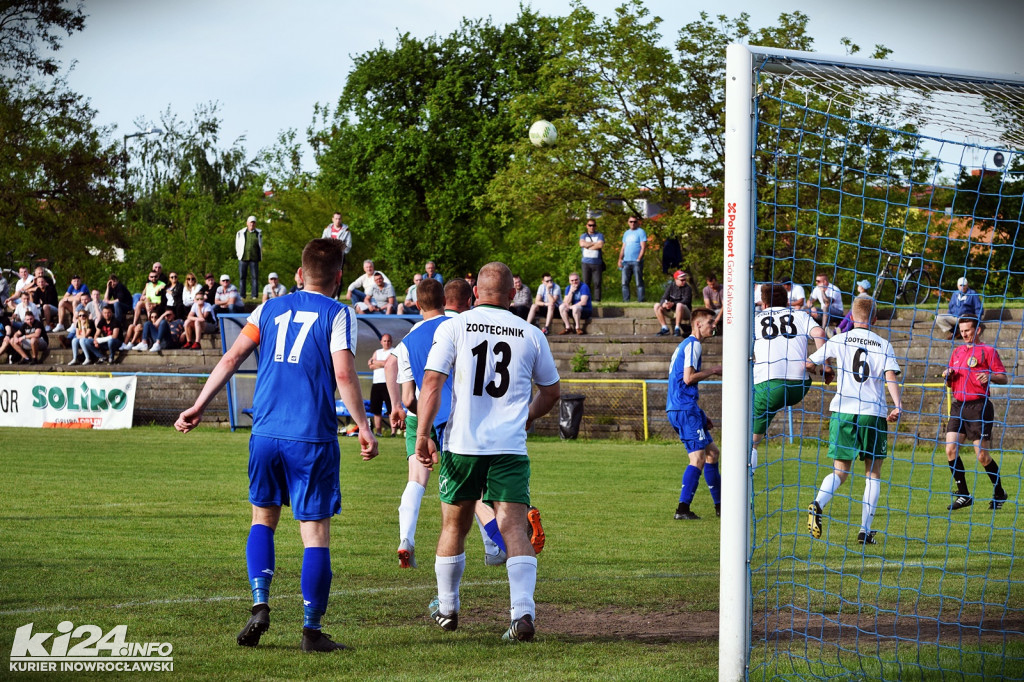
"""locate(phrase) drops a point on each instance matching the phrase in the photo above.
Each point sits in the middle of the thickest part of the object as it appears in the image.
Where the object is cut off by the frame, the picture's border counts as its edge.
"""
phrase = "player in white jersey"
(780, 352)
(496, 358)
(866, 366)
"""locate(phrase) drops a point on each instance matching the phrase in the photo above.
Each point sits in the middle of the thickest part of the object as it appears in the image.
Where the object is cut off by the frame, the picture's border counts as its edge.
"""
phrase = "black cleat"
(259, 622)
(718, 510)
(960, 501)
(686, 515)
(447, 622)
(314, 640)
(814, 519)
(521, 630)
(997, 501)
(866, 538)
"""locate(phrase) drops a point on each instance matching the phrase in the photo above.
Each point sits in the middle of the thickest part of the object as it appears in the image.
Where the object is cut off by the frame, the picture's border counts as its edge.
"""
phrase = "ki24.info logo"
(86, 649)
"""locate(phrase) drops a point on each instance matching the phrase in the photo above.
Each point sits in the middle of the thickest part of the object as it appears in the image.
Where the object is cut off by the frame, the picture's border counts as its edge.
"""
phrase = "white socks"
(448, 570)
(753, 460)
(872, 487)
(829, 486)
(409, 510)
(522, 582)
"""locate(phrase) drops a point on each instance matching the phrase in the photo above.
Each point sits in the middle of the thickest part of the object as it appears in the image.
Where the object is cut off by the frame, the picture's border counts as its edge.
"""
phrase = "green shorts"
(853, 435)
(773, 395)
(491, 478)
(410, 435)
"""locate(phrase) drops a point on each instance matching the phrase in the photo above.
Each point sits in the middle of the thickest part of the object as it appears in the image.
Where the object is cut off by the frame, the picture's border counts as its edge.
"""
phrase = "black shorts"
(972, 418)
(378, 397)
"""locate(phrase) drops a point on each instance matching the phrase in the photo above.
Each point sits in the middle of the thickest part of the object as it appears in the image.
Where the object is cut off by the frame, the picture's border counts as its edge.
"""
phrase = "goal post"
(912, 176)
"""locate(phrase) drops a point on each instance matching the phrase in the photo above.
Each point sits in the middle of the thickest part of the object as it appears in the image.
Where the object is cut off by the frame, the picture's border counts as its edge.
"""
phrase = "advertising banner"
(54, 401)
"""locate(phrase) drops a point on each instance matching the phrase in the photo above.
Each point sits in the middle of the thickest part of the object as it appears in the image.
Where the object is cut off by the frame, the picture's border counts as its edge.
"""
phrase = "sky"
(267, 62)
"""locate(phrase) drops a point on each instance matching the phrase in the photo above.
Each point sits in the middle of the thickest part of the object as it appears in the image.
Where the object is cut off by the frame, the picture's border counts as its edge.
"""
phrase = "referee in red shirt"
(972, 368)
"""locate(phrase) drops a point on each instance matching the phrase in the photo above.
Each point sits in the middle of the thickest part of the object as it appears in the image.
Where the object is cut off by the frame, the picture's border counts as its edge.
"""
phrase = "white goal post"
(744, 65)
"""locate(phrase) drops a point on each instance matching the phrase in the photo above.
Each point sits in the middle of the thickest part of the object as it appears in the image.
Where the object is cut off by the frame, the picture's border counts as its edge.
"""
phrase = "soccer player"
(973, 367)
(780, 352)
(689, 420)
(307, 344)
(866, 366)
(494, 357)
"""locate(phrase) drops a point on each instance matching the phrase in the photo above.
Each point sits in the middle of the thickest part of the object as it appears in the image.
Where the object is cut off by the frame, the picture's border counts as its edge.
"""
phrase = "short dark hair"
(972, 320)
(456, 291)
(430, 294)
(701, 313)
(774, 295)
(321, 261)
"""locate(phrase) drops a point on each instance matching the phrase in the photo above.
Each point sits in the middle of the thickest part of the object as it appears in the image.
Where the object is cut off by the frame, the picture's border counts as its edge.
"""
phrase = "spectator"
(85, 330)
(411, 306)
(830, 300)
(274, 288)
(471, 281)
(95, 306)
(6, 332)
(380, 298)
(577, 302)
(227, 299)
(162, 332)
(677, 301)
(152, 299)
(174, 295)
(592, 268)
(431, 272)
(964, 302)
(249, 249)
(863, 291)
(364, 282)
(339, 230)
(202, 319)
(794, 292)
(118, 296)
(713, 300)
(5, 291)
(188, 294)
(549, 295)
(24, 280)
(30, 340)
(298, 286)
(379, 397)
(631, 259)
(209, 286)
(108, 335)
(45, 296)
(66, 306)
(521, 301)
(26, 305)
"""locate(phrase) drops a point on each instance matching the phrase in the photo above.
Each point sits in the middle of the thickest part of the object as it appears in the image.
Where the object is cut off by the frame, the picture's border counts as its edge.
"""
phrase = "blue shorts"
(691, 427)
(304, 475)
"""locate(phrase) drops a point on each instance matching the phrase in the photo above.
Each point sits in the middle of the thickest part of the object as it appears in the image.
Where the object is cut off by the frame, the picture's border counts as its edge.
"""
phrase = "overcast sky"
(267, 62)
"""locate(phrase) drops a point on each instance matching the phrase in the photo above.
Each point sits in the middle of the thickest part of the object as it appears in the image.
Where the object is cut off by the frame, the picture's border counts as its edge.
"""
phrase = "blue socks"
(691, 477)
(491, 528)
(316, 585)
(714, 481)
(259, 556)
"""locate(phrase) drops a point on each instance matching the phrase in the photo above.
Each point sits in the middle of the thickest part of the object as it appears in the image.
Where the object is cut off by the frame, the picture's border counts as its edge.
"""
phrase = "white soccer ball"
(543, 134)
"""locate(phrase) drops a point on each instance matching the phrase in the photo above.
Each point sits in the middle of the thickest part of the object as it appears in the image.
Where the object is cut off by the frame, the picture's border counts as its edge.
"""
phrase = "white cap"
(272, 275)
(225, 278)
(250, 219)
(962, 282)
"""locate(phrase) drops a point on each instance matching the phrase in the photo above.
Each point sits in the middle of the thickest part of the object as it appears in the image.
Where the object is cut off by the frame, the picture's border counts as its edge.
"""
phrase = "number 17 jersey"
(495, 357)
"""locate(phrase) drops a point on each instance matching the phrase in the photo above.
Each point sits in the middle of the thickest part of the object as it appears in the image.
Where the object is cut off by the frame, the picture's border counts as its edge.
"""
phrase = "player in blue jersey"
(307, 345)
(688, 419)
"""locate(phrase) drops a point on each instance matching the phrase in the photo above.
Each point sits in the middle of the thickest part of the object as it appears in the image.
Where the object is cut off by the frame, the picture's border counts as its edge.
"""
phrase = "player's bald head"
(430, 295)
(494, 283)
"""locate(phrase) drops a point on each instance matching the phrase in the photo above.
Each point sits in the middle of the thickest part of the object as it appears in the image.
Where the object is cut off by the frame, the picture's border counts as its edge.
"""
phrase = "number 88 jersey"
(495, 357)
(781, 336)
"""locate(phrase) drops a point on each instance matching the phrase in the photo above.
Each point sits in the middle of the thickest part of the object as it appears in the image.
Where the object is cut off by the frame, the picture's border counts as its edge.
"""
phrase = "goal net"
(908, 181)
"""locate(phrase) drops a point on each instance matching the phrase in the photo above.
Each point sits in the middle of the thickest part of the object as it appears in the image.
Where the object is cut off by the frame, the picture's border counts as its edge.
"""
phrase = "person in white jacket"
(339, 230)
(249, 250)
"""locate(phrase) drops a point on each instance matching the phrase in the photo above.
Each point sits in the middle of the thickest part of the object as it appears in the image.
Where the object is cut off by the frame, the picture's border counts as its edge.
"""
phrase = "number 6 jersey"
(862, 359)
(780, 344)
(495, 356)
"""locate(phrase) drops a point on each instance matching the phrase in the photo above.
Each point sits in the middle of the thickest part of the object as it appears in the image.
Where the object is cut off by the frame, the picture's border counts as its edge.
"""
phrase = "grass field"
(147, 528)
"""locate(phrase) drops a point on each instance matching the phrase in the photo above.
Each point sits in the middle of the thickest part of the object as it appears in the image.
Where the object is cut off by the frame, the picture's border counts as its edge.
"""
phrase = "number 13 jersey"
(862, 359)
(494, 356)
(780, 344)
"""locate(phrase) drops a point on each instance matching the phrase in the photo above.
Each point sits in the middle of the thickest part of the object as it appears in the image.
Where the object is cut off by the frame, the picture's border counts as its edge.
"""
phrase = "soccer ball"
(543, 134)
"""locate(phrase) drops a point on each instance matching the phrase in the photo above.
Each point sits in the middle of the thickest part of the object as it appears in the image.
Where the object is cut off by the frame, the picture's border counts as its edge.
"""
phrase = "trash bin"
(570, 414)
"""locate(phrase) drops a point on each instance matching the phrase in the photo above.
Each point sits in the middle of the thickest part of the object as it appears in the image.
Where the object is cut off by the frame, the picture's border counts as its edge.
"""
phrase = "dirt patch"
(615, 624)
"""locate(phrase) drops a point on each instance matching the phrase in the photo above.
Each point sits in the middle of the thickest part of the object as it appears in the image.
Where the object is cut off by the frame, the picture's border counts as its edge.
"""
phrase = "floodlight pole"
(734, 585)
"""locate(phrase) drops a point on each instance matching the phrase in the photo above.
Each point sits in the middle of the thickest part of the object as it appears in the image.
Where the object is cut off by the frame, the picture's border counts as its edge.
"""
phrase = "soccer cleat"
(960, 501)
(686, 515)
(406, 554)
(498, 559)
(866, 538)
(521, 630)
(259, 622)
(448, 622)
(314, 640)
(997, 501)
(536, 530)
(814, 519)
(718, 510)
(663, 332)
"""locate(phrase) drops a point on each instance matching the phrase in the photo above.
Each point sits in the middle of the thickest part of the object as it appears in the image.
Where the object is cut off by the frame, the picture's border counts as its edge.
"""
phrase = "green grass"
(147, 528)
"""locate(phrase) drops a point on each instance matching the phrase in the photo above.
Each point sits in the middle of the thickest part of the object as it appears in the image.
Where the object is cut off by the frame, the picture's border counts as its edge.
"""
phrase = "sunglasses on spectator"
(174, 277)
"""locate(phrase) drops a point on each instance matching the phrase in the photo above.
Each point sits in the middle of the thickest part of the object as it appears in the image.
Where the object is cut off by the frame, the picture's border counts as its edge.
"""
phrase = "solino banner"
(44, 400)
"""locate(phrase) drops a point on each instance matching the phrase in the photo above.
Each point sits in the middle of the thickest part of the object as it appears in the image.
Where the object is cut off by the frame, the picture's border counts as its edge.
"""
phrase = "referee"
(973, 367)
